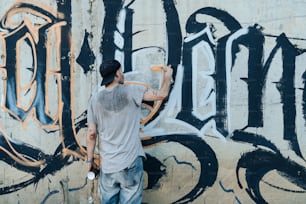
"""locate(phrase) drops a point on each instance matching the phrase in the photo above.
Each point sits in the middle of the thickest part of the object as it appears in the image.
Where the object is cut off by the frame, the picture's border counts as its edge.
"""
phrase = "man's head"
(109, 72)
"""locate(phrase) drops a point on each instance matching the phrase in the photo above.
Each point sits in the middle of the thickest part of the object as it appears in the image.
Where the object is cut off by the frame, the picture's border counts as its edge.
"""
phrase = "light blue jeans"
(125, 186)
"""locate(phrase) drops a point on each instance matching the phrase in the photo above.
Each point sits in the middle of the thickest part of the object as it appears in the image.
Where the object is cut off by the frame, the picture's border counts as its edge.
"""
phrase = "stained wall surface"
(231, 131)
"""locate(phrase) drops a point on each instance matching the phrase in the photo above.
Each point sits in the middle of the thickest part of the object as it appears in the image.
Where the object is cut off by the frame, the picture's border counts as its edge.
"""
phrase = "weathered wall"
(232, 130)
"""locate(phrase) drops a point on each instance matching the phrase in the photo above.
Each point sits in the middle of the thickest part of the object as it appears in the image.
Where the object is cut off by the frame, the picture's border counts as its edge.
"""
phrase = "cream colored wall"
(181, 164)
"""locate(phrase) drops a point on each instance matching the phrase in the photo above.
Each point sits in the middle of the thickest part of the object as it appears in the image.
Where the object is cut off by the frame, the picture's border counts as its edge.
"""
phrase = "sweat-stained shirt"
(117, 113)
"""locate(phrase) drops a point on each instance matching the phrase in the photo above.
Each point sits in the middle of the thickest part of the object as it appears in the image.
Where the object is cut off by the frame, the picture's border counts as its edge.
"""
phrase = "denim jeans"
(125, 186)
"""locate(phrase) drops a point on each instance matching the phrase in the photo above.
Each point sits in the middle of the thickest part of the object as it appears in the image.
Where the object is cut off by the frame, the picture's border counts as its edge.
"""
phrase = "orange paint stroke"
(19, 158)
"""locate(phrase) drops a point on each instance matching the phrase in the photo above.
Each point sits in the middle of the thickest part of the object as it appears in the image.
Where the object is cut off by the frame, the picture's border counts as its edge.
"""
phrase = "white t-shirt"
(117, 113)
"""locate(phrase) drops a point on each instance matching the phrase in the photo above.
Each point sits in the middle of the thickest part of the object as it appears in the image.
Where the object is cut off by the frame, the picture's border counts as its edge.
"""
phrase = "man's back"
(117, 112)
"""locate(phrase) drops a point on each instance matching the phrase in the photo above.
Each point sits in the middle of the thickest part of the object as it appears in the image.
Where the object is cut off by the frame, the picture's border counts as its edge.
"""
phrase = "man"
(114, 114)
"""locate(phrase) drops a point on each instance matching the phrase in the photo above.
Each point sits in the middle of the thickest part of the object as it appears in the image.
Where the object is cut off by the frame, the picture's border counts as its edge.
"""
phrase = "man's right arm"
(163, 92)
(91, 139)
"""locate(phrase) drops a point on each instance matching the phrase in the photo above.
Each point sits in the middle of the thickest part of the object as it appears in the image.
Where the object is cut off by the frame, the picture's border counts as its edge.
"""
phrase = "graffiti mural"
(200, 117)
(48, 70)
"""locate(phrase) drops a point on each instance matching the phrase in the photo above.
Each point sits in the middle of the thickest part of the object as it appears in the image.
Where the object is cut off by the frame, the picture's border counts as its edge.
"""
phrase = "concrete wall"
(232, 130)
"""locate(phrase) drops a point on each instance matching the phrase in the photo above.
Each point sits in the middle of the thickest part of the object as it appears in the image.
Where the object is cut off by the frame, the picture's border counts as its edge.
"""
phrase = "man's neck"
(112, 85)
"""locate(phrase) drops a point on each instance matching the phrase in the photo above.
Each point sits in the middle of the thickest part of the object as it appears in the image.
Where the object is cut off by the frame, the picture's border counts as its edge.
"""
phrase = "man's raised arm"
(163, 92)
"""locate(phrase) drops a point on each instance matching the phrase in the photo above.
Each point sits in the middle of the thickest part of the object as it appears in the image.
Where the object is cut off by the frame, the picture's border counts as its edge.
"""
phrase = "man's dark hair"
(108, 70)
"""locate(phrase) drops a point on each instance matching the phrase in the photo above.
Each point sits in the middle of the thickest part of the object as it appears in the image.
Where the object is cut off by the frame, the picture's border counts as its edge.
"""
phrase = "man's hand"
(94, 166)
(168, 71)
